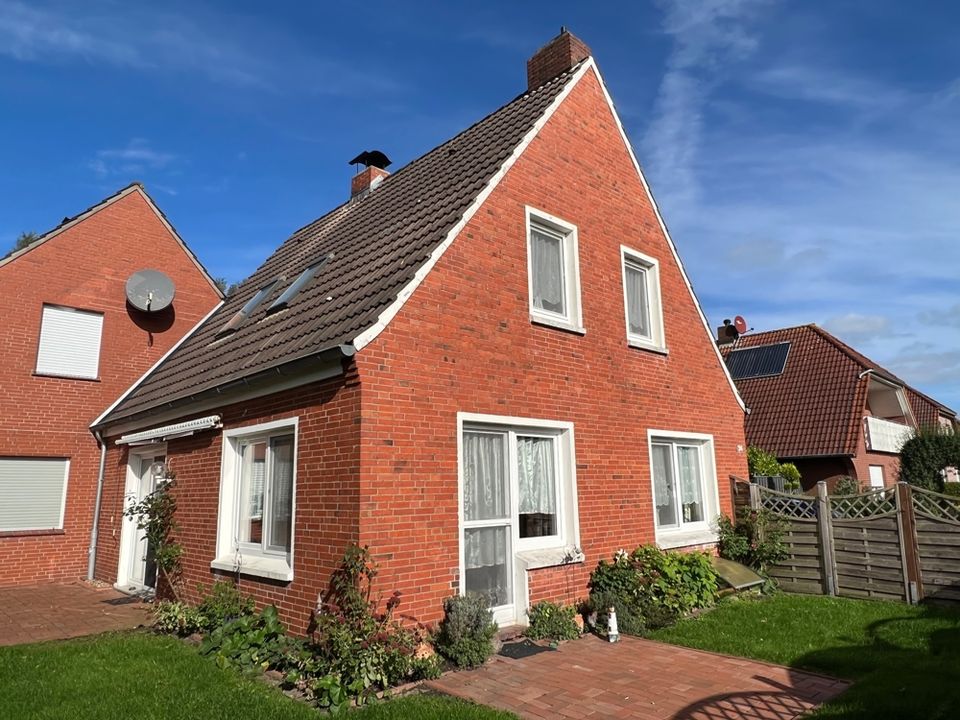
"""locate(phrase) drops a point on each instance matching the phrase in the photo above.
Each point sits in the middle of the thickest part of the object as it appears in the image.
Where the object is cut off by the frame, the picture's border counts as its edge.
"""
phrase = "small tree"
(25, 239)
(924, 456)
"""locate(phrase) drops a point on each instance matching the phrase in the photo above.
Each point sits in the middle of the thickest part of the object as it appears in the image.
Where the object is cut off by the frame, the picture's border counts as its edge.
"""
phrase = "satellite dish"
(740, 324)
(150, 290)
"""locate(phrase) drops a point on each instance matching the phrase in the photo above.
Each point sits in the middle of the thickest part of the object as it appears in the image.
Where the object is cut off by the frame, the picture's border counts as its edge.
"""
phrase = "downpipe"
(94, 531)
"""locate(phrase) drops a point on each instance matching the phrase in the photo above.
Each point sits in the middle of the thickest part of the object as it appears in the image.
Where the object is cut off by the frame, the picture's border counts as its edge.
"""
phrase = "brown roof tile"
(380, 242)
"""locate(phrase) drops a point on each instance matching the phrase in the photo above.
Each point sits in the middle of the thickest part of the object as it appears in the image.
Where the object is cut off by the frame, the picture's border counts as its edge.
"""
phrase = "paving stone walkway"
(642, 680)
(57, 612)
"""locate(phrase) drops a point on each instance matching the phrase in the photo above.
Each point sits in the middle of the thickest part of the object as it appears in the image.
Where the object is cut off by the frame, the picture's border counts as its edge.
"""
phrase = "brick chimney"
(557, 56)
(375, 164)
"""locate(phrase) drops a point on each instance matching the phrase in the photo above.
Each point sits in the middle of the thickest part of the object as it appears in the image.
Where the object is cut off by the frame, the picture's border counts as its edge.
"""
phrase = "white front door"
(138, 569)
(876, 476)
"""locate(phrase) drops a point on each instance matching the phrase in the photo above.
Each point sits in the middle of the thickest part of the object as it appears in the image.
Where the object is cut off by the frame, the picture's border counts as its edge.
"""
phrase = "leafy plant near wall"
(250, 643)
(952, 489)
(550, 621)
(155, 516)
(761, 462)
(755, 540)
(924, 456)
(846, 485)
(465, 636)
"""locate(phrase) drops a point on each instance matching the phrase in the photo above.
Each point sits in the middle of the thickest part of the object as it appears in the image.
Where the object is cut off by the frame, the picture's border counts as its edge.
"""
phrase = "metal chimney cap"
(371, 158)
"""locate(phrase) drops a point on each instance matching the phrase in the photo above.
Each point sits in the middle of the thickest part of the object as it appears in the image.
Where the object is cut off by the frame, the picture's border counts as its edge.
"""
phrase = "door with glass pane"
(143, 565)
(487, 521)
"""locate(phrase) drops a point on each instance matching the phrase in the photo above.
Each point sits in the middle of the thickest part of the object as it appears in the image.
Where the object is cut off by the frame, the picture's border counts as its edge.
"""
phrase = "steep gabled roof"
(69, 222)
(380, 243)
(814, 407)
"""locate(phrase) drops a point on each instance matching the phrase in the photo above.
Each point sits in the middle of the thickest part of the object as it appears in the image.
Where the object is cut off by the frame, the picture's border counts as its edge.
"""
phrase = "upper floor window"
(553, 271)
(641, 293)
(69, 343)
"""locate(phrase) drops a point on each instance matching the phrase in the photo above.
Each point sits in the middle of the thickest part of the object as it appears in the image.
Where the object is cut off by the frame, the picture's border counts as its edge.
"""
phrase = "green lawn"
(905, 660)
(145, 676)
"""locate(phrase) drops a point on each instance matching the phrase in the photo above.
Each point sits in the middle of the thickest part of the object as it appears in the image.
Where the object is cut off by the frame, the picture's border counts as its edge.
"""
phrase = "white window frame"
(573, 319)
(882, 478)
(695, 533)
(526, 553)
(48, 372)
(63, 496)
(231, 554)
(651, 267)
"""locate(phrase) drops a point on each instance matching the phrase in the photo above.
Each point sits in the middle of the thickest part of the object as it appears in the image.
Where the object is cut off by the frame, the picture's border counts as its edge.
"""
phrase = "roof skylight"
(243, 313)
(297, 285)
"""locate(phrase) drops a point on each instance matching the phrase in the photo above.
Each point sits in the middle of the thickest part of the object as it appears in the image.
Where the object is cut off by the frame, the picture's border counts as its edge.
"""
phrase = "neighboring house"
(70, 345)
(489, 367)
(818, 403)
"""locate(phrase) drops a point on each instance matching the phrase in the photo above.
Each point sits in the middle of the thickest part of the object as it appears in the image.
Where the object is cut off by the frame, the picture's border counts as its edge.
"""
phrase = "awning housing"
(168, 432)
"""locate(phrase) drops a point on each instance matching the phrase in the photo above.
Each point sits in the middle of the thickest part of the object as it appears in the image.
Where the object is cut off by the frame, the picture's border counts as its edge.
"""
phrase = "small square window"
(553, 271)
(69, 343)
(641, 296)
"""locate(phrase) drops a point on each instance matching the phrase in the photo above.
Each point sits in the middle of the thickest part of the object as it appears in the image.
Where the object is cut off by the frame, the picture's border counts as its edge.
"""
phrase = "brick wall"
(326, 494)
(464, 342)
(86, 267)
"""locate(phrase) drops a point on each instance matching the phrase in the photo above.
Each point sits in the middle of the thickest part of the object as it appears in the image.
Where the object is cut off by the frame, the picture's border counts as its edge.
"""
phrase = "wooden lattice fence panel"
(938, 542)
(802, 571)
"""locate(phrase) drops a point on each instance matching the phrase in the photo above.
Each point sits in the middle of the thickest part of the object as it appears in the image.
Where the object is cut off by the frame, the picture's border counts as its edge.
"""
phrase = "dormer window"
(297, 285)
(252, 304)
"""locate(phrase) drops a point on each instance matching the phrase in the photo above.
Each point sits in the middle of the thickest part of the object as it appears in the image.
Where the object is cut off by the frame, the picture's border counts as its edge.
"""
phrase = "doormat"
(123, 601)
(523, 649)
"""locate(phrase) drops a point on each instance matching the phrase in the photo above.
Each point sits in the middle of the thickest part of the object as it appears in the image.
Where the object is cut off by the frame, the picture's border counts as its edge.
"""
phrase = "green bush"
(465, 636)
(756, 540)
(248, 642)
(222, 604)
(762, 462)
(926, 454)
(552, 622)
(176, 618)
(630, 616)
(846, 485)
(791, 474)
(952, 489)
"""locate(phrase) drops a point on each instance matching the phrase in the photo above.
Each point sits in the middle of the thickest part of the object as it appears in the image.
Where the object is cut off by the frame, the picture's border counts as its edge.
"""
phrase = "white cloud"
(136, 156)
(854, 327)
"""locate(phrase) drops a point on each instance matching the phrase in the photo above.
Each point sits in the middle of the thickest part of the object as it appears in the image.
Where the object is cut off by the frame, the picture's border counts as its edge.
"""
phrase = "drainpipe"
(94, 531)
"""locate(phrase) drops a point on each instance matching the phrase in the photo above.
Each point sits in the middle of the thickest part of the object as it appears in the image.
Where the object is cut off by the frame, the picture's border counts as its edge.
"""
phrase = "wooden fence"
(899, 543)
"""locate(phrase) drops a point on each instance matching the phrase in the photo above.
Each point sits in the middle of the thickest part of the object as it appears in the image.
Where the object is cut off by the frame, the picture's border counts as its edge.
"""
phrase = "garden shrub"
(465, 636)
(926, 454)
(846, 485)
(756, 539)
(249, 642)
(550, 621)
(952, 489)
(176, 618)
(222, 604)
(762, 462)
(630, 617)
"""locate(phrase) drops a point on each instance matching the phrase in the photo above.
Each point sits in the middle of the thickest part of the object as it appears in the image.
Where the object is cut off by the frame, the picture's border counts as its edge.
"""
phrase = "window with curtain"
(678, 484)
(641, 294)
(537, 483)
(552, 265)
(265, 509)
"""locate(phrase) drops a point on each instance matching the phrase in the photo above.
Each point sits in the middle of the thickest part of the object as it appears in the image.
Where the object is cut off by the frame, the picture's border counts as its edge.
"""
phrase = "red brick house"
(489, 367)
(70, 345)
(818, 403)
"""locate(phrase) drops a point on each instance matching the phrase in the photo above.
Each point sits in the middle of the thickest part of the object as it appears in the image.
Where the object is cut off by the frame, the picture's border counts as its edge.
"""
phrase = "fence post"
(754, 496)
(909, 550)
(825, 528)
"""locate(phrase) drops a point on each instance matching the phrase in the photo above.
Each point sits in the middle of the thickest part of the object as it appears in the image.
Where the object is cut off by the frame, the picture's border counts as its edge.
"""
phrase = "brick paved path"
(640, 679)
(54, 612)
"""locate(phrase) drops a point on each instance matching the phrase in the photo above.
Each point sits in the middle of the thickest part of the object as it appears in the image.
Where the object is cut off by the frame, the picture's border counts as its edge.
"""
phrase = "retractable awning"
(168, 432)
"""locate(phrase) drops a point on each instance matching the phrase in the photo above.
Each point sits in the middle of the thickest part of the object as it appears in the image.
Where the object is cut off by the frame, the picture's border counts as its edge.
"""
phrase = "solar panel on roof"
(756, 362)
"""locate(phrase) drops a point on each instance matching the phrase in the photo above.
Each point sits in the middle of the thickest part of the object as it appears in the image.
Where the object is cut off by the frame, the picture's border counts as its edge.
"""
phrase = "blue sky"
(805, 155)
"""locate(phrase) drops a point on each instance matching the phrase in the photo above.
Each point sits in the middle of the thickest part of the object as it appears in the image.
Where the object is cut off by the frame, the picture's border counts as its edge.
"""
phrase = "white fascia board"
(368, 335)
(170, 431)
(163, 357)
(666, 234)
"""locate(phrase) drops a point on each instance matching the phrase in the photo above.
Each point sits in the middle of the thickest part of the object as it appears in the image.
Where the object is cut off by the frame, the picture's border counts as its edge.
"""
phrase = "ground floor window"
(257, 500)
(32, 493)
(684, 482)
(518, 496)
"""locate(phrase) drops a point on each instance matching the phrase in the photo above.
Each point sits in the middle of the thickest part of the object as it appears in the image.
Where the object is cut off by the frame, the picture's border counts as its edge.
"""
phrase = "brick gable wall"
(86, 267)
(464, 342)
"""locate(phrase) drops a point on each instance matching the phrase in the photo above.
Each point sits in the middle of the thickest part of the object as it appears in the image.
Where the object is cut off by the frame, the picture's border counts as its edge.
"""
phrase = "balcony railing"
(886, 436)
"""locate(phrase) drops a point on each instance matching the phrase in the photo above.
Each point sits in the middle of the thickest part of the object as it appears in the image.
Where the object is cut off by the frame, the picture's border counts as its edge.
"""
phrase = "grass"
(905, 660)
(152, 677)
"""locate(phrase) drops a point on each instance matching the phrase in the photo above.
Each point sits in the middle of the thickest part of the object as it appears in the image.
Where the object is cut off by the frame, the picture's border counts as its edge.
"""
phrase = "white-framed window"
(32, 493)
(876, 476)
(553, 271)
(69, 343)
(684, 483)
(641, 299)
(518, 503)
(258, 500)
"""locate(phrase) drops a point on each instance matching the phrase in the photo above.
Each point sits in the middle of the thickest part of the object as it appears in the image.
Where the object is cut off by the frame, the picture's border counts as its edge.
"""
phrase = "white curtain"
(546, 255)
(661, 476)
(690, 486)
(637, 312)
(538, 478)
(282, 489)
(484, 476)
(485, 547)
(257, 475)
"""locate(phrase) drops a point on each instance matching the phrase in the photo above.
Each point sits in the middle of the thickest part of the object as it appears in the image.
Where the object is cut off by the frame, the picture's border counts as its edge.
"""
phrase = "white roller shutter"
(69, 342)
(32, 493)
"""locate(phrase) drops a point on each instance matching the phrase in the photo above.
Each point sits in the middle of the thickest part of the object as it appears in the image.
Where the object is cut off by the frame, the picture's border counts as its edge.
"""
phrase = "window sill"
(550, 557)
(31, 533)
(685, 538)
(649, 347)
(558, 324)
(265, 567)
(65, 377)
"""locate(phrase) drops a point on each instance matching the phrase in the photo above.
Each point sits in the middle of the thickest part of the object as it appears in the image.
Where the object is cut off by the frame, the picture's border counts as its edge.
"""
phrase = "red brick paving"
(642, 680)
(56, 612)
